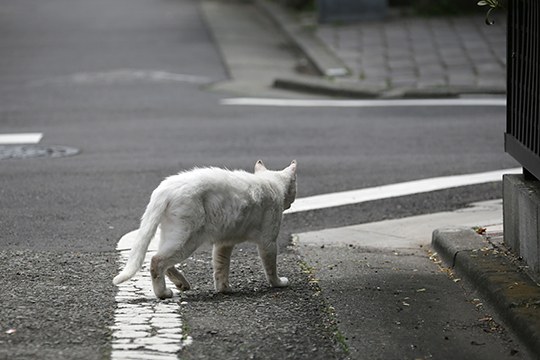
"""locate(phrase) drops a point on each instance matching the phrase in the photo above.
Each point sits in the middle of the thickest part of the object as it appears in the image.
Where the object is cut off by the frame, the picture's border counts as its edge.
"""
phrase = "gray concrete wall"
(521, 212)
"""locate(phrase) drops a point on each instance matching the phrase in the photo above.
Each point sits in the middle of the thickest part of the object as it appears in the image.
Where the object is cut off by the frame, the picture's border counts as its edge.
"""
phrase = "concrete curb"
(514, 295)
(333, 87)
(332, 68)
(321, 86)
(324, 60)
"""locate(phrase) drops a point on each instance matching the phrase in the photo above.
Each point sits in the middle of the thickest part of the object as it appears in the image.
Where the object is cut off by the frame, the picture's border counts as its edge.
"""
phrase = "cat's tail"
(149, 223)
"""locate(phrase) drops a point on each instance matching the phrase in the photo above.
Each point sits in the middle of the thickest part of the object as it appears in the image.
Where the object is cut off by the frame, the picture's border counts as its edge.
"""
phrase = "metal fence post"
(522, 139)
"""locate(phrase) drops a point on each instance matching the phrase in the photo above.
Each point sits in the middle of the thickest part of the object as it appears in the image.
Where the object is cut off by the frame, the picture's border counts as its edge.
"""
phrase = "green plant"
(493, 4)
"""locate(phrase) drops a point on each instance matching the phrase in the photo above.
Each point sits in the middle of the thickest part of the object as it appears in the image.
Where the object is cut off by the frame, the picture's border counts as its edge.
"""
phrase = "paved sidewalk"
(460, 54)
(255, 52)
(402, 56)
(384, 276)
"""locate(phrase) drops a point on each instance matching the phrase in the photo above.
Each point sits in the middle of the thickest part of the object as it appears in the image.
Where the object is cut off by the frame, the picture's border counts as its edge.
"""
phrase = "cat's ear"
(291, 168)
(259, 166)
(290, 193)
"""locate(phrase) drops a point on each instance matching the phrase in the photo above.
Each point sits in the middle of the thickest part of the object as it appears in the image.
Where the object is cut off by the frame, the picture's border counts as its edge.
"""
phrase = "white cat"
(218, 206)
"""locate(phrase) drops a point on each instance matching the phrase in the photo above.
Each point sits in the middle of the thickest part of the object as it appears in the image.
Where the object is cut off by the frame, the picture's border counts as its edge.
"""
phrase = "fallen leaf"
(480, 230)
(477, 343)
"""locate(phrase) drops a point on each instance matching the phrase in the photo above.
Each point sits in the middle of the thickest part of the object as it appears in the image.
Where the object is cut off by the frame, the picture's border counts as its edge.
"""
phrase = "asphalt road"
(108, 78)
(89, 79)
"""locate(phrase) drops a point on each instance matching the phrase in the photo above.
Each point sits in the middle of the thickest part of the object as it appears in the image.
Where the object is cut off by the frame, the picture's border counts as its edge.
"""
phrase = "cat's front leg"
(268, 254)
(221, 258)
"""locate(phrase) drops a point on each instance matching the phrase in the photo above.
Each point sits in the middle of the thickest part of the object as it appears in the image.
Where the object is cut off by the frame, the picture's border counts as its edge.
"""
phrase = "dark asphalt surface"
(126, 152)
(61, 218)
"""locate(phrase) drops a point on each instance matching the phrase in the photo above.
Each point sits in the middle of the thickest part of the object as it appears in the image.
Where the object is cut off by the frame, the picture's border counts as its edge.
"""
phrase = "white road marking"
(123, 76)
(362, 103)
(20, 138)
(395, 190)
(126, 75)
(144, 327)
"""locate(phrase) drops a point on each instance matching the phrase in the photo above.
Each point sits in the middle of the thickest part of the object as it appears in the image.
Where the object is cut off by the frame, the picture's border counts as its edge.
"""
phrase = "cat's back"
(217, 190)
(210, 178)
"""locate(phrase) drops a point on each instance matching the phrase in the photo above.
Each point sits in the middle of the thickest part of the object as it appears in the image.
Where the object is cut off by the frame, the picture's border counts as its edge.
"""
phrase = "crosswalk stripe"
(20, 138)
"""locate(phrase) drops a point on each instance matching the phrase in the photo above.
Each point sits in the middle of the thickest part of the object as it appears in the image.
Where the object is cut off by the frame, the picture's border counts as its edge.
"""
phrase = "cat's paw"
(281, 282)
(183, 286)
(166, 294)
(223, 288)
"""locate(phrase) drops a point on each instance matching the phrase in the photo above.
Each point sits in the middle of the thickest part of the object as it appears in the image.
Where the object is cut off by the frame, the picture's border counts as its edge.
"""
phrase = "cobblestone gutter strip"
(145, 327)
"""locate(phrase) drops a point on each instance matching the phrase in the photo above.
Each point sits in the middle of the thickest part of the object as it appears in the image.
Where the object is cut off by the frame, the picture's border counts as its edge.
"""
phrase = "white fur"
(218, 206)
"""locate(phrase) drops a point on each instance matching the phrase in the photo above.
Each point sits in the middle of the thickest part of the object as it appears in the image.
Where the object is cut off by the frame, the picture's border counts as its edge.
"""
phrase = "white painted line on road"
(362, 103)
(144, 327)
(20, 138)
(125, 75)
(395, 190)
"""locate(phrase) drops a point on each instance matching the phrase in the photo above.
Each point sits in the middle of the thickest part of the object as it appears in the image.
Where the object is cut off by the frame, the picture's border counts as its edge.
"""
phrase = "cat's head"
(288, 176)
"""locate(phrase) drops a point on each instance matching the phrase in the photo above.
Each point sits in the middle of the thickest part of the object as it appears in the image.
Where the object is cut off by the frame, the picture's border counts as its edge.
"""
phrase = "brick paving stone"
(461, 80)
(431, 81)
(123, 347)
(428, 59)
(402, 65)
(407, 83)
(490, 68)
(492, 81)
(457, 62)
(130, 334)
(157, 340)
(130, 327)
(142, 355)
(481, 56)
(431, 70)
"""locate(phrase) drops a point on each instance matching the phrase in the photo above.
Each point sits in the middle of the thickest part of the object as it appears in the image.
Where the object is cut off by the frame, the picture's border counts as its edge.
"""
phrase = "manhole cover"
(35, 151)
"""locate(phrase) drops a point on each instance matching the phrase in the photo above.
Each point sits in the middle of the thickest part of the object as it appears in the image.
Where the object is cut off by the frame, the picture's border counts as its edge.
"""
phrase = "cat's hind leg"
(158, 264)
(221, 258)
(268, 254)
(175, 246)
(178, 279)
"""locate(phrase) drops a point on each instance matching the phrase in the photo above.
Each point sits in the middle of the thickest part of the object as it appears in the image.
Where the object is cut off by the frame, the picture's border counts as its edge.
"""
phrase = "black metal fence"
(523, 108)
